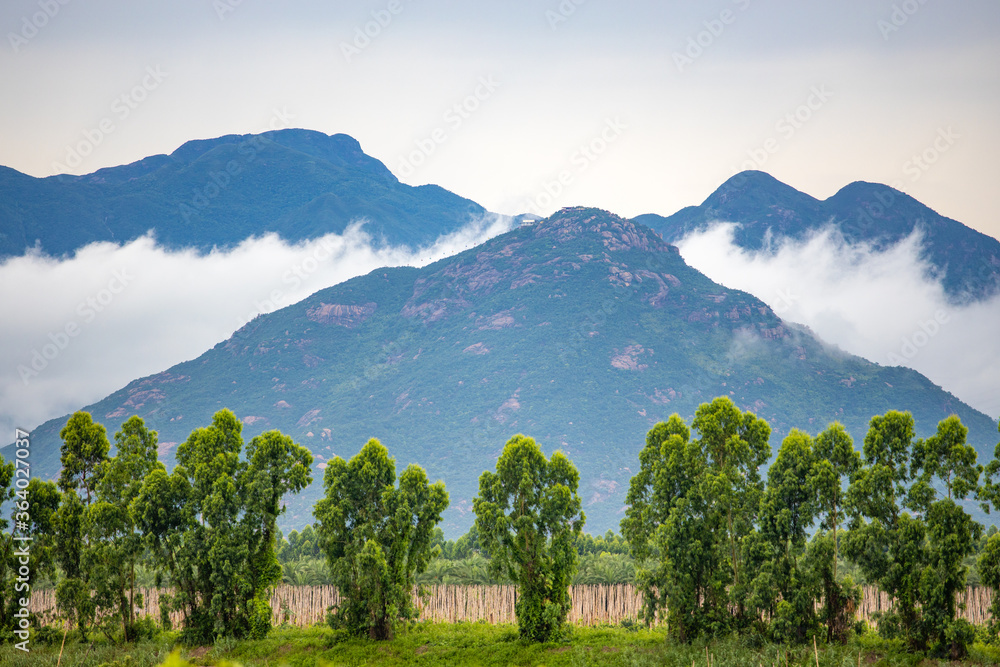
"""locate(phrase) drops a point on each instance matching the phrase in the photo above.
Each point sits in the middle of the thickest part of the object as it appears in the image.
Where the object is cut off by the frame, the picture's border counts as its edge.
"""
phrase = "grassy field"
(476, 644)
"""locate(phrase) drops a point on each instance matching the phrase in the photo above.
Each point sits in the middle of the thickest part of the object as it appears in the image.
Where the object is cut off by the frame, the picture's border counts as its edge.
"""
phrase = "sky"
(640, 106)
(634, 107)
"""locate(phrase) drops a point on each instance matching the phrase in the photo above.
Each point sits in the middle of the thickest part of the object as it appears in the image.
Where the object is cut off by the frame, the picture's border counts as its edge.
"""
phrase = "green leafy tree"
(788, 508)
(691, 518)
(300, 545)
(83, 453)
(839, 595)
(988, 564)
(610, 543)
(735, 445)
(116, 542)
(33, 508)
(951, 533)
(948, 457)
(85, 448)
(918, 559)
(989, 491)
(212, 525)
(836, 459)
(671, 530)
(886, 544)
(8, 562)
(528, 517)
(377, 537)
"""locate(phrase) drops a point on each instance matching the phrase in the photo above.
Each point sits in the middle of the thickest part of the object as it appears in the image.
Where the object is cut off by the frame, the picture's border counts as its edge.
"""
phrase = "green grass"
(479, 644)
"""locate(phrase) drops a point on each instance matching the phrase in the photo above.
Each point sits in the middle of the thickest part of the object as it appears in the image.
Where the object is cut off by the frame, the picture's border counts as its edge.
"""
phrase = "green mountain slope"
(768, 211)
(297, 183)
(582, 331)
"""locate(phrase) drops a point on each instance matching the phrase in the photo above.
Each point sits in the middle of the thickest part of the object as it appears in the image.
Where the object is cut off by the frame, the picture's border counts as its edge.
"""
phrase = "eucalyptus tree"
(33, 507)
(782, 590)
(82, 454)
(528, 516)
(212, 525)
(377, 536)
(952, 534)
(116, 542)
(884, 541)
(836, 460)
(85, 447)
(692, 514)
(8, 563)
(672, 532)
(734, 445)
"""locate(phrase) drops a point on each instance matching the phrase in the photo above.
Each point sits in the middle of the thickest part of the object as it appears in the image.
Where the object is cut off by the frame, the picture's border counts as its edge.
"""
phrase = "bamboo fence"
(595, 604)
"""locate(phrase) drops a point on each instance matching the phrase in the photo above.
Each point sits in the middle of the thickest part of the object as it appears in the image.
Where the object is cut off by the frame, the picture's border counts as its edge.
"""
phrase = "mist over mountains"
(767, 213)
(870, 269)
(581, 330)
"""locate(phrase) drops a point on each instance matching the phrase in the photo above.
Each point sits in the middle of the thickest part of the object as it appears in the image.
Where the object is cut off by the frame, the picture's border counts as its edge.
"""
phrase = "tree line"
(714, 546)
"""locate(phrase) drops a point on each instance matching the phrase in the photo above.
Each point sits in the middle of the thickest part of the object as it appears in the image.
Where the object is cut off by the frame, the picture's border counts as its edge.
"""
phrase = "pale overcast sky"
(672, 97)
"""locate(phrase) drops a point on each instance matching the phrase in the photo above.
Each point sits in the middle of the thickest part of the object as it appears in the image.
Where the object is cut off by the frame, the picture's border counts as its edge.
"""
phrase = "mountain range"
(299, 184)
(581, 330)
(768, 211)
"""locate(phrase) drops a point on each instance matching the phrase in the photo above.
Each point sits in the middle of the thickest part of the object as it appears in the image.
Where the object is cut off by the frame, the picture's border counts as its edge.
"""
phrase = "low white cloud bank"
(883, 306)
(75, 330)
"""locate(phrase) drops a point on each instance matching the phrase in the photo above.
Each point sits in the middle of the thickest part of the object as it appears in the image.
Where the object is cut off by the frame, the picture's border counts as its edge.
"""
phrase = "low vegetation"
(722, 554)
(480, 644)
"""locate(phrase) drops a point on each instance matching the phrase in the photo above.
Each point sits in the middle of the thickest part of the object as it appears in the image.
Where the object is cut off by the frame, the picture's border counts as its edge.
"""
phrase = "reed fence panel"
(593, 604)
